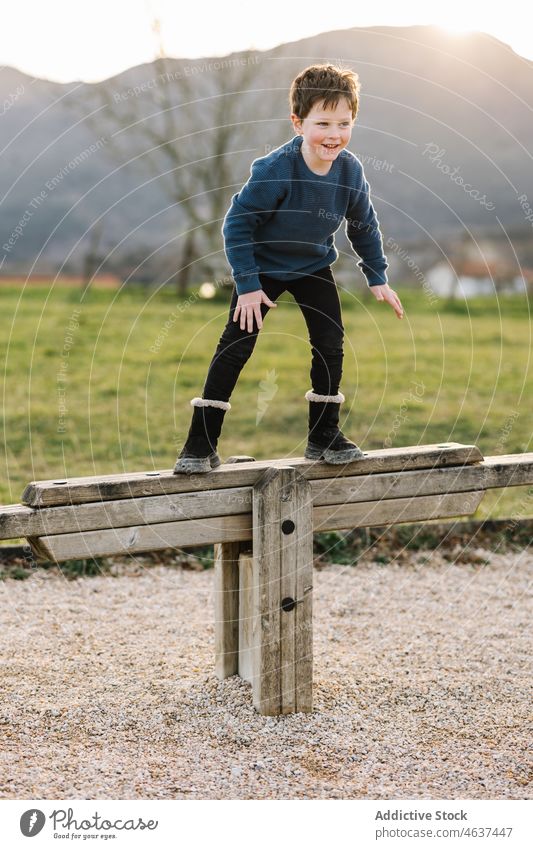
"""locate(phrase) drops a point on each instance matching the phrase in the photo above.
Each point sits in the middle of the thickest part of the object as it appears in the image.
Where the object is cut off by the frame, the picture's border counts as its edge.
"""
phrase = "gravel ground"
(422, 688)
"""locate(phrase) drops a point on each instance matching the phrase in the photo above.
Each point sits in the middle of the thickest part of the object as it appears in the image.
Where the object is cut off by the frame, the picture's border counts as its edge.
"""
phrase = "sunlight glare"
(456, 29)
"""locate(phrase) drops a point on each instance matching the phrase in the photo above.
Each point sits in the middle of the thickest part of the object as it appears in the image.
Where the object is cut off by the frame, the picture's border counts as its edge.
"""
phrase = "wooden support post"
(246, 616)
(227, 601)
(282, 592)
(226, 608)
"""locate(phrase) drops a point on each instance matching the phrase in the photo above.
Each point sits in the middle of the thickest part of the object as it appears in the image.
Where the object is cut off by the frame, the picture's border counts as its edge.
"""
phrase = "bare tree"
(187, 127)
(93, 257)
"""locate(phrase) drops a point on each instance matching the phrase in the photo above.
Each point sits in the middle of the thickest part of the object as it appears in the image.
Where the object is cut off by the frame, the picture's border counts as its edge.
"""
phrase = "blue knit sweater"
(283, 219)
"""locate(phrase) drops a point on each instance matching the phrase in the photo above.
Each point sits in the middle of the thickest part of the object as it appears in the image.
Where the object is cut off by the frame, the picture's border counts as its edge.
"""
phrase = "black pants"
(318, 298)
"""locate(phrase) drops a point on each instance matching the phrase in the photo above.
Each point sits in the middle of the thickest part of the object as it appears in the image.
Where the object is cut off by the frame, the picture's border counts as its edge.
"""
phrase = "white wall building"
(468, 279)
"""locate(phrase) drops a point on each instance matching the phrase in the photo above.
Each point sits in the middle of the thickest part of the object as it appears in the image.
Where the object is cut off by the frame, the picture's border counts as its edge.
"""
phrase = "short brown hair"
(326, 83)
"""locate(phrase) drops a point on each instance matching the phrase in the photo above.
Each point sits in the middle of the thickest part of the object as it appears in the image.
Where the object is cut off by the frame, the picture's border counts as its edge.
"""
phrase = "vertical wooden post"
(282, 592)
(246, 616)
(226, 608)
(227, 600)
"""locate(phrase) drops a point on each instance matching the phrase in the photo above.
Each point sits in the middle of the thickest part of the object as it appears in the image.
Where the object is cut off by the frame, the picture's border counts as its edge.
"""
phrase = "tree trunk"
(187, 258)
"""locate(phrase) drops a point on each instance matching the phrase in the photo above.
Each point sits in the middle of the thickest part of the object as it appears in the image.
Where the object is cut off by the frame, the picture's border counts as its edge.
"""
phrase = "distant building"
(468, 278)
(101, 281)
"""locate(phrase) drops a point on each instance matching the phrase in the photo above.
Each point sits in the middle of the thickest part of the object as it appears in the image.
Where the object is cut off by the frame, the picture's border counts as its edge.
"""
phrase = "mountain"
(444, 131)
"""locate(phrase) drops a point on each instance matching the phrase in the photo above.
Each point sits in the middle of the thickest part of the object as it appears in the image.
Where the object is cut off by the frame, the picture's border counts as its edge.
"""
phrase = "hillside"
(444, 132)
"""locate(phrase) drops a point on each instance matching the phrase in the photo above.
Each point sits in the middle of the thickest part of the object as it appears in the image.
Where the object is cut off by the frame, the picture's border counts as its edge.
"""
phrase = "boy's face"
(325, 131)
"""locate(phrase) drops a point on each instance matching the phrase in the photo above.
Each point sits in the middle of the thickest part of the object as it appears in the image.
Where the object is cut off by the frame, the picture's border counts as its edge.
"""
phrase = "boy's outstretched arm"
(362, 229)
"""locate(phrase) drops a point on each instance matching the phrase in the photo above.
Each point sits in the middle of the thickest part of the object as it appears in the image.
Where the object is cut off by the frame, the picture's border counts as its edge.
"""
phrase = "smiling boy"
(324, 128)
(279, 236)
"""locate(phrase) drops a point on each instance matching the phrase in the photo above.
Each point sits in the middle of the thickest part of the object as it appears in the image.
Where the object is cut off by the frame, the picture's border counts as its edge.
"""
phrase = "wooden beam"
(282, 593)
(139, 538)
(134, 485)
(499, 471)
(395, 511)
(492, 473)
(227, 590)
(18, 520)
(130, 540)
(507, 470)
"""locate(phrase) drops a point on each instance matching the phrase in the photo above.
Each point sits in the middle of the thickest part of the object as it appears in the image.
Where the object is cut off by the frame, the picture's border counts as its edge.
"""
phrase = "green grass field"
(84, 394)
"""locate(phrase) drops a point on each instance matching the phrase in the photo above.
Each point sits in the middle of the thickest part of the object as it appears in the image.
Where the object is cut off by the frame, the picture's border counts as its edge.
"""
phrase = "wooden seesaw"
(261, 517)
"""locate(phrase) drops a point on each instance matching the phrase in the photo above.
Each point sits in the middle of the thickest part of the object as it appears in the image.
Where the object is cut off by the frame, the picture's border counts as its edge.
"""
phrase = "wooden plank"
(18, 520)
(494, 472)
(134, 485)
(105, 543)
(507, 470)
(395, 511)
(226, 557)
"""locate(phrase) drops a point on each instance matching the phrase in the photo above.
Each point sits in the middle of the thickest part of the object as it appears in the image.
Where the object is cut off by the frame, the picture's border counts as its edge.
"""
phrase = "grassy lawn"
(447, 372)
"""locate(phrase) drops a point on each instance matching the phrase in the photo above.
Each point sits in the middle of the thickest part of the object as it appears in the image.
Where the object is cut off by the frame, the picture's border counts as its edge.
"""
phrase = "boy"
(278, 236)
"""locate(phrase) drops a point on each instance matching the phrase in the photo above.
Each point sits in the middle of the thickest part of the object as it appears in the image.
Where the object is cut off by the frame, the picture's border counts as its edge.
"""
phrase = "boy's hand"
(248, 306)
(385, 293)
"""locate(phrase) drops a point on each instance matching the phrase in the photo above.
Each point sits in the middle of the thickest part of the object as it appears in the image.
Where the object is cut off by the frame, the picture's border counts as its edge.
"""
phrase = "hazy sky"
(69, 40)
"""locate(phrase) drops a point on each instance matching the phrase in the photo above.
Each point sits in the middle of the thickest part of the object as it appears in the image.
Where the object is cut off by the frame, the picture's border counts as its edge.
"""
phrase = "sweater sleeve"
(256, 202)
(362, 229)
